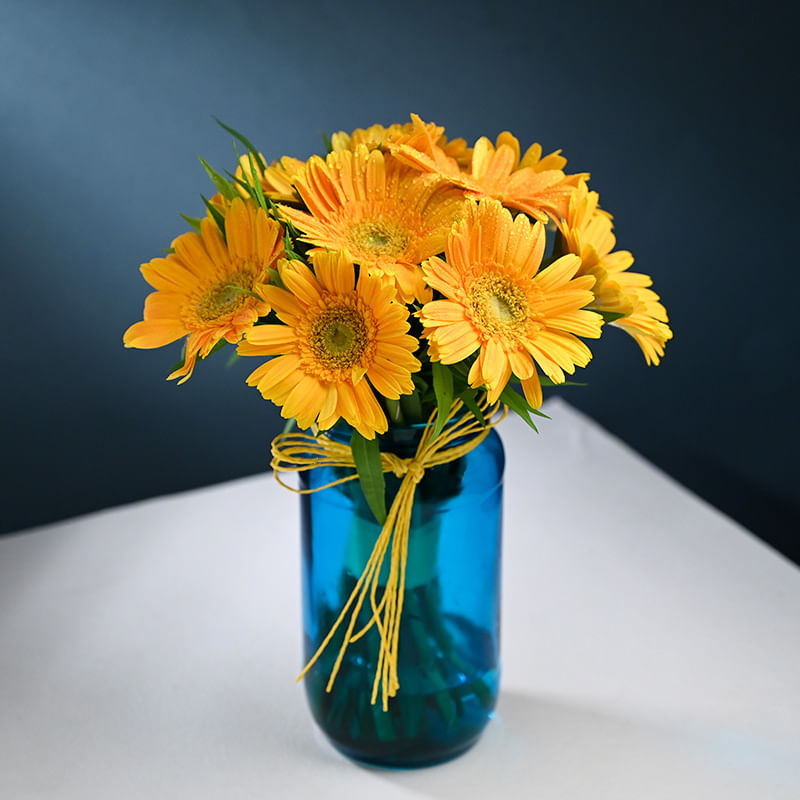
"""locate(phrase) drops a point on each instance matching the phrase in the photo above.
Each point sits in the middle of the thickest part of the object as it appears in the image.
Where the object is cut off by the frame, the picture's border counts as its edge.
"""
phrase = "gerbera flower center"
(338, 337)
(499, 305)
(379, 238)
(224, 297)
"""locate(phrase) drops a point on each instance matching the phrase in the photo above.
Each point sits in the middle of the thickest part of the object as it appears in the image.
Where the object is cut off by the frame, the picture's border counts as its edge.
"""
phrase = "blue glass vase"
(448, 659)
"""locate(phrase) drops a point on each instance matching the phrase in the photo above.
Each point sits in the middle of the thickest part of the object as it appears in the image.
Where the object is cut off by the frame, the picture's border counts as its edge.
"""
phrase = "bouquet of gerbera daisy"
(324, 266)
(402, 278)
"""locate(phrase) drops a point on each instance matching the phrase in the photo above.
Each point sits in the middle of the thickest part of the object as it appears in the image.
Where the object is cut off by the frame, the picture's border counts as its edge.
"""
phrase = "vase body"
(448, 653)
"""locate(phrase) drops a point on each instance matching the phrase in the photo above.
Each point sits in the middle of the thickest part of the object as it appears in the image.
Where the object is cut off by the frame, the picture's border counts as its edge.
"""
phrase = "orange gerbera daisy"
(500, 305)
(336, 339)
(535, 185)
(378, 136)
(588, 232)
(276, 178)
(205, 288)
(387, 216)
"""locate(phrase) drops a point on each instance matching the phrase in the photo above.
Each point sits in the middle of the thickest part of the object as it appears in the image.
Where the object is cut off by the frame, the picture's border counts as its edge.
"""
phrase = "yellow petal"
(153, 333)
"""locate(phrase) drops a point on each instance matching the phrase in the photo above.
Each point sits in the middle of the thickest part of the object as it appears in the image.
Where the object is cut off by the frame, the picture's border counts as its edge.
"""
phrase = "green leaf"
(288, 246)
(253, 189)
(290, 425)
(420, 384)
(468, 399)
(275, 278)
(245, 184)
(217, 216)
(443, 389)
(328, 143)
(395, 411)
(276, 215)
(257, 184)
(462, 367)
(367, 456)
(226, 188)
(193, 221)
(168, 250)
(545, 381)
(232, 359)
(246, 142)
(517, 403)
(609, 316)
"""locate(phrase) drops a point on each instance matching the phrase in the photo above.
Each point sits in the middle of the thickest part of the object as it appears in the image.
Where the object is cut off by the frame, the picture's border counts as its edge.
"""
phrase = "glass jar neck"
(402, 440)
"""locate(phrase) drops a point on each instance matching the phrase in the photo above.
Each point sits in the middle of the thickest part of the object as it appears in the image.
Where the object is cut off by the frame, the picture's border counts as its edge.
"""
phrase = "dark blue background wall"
(681, 114)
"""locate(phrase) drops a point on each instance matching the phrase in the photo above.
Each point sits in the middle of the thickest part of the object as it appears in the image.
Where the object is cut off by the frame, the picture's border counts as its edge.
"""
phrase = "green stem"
(442, 696)
(338, 706)
(384, 726)
(440, 633)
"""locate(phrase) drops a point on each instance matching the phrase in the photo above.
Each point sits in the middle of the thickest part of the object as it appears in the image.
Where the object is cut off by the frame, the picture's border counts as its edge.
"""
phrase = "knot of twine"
(406, 466)
(299, 452)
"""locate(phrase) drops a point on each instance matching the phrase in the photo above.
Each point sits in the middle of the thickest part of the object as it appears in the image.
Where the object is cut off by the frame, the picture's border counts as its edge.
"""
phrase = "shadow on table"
(548, 748)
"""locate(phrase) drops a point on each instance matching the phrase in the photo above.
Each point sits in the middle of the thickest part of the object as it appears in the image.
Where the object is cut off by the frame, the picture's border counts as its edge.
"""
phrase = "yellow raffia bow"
(298, 452)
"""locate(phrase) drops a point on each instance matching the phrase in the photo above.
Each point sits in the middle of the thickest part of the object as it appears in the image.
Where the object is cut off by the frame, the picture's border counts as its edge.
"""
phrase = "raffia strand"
(299, 452)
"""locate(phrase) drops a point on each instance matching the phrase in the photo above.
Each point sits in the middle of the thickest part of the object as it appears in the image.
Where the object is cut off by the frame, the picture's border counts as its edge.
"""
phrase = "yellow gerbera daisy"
(336, 339)
(372, 137)
(588, 232)
(204, 288)
(276, 178)
(387, 216)
(500, 305)
(408, 133)
(535, 185)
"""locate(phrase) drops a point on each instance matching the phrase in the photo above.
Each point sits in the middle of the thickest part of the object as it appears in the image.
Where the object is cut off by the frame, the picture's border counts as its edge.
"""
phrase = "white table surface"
(651, 647)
